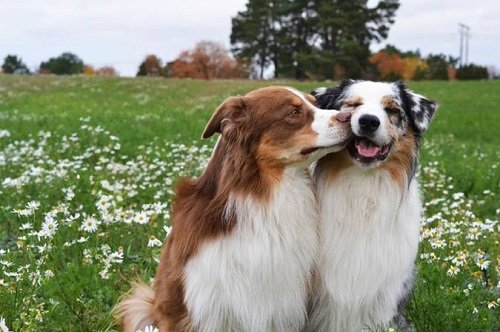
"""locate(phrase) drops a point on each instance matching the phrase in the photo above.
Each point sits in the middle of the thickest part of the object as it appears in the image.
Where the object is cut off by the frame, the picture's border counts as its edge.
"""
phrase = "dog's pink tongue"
(367, 149)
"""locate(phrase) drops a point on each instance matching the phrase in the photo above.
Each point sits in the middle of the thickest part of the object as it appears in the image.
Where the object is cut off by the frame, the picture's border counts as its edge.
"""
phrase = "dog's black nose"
(368, 123)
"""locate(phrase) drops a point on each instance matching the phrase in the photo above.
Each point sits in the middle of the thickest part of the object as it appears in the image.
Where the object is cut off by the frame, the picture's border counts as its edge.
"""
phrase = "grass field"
(86, 171)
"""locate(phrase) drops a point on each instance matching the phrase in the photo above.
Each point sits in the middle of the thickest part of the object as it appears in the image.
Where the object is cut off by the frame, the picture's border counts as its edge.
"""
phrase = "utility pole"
(464, 44)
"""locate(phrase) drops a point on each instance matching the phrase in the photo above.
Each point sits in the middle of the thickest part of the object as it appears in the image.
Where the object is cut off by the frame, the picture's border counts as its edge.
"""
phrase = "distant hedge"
(472, 72)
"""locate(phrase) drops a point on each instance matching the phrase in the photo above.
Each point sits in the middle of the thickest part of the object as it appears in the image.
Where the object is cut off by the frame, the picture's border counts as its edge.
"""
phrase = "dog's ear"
(225, 116)
(418, 108)
(330, 98)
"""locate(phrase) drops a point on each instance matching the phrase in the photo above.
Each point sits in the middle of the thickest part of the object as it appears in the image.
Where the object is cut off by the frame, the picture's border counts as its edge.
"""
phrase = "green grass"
(157, 124)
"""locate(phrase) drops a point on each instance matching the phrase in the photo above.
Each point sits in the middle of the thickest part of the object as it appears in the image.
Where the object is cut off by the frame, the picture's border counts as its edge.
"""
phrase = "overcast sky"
(121, 32)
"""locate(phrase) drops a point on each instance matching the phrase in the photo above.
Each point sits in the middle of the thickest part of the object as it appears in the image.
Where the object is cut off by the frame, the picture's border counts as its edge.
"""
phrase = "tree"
(88, 70)
(390, 66)
(346, 30)
(151, 66)
(252, 33)
(472, 72)
(65, 64)
(207, 60)
(393, 65)
(13, 64)
(437, 67)
(305, 38)
(106, 71)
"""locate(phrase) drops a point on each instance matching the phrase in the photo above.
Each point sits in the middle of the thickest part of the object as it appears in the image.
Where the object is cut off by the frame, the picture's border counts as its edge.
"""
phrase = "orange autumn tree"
(389, 65)
(207, 60)
(393, 65)
(88, 70)
(412, 65)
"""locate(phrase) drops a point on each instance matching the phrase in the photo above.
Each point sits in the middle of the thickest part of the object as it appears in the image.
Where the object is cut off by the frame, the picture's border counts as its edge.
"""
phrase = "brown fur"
(401, 158)
(255, 129)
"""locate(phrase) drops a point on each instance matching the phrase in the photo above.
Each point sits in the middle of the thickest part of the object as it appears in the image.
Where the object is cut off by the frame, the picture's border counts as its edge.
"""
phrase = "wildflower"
(154, 242)
(474, 310)
(82, 239)
(141, 218)
(460, 260)
(478, 275)
(474, 233)
(49, 227)
(482, 263)
(22, 212)
(89, 225)
(104, 203)
(33, 205)
(492, 304)
(167, 229)
(452, 271)
(438, 243)
(69, 193)
(26, 226)
(3, 325)
(4, 133)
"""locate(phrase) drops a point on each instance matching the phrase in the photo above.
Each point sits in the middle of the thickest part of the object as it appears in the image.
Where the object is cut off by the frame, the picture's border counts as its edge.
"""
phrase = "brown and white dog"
(370, 208)
(245, 233)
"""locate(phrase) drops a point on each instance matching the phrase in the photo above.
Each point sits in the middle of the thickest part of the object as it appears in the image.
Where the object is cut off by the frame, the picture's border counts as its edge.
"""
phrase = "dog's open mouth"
(364, 150)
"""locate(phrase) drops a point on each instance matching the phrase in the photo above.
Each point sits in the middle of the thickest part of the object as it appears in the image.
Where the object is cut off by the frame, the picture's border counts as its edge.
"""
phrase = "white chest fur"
(256, 279)
(369, 230)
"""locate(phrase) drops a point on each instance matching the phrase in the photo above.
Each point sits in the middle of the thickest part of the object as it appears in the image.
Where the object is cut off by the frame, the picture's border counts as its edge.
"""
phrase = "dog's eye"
(392, 110)
(295, 112)
(353, 104)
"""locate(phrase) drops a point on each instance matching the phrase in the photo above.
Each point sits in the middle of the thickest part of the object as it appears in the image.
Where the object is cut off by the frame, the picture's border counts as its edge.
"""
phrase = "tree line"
(65, 64)
(298, 39)
(330, 39)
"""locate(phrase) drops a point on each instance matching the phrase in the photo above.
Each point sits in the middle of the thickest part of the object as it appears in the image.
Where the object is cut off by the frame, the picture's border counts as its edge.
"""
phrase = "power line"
(464, 44)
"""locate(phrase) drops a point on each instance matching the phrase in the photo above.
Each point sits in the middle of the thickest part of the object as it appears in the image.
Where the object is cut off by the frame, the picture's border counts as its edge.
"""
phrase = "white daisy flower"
(26, 226)
(154, 242)
(33, 205)
(482, 263)
(141, 218)
(103, 203)
(452, 271)
(89, 225)
(492, 304)
(49, 227)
